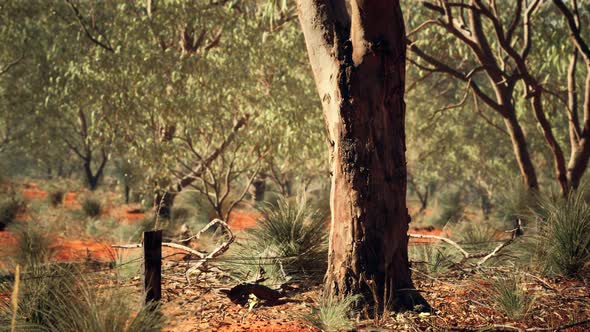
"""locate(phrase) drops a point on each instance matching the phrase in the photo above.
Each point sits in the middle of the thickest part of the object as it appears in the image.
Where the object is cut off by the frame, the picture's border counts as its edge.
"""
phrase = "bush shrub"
(516, 202)
(565, 234)
(508, 295)
(92, 207)
(34, 244)
(9, 210)
(198, 210)
(431, 259)
(56, 298)
(332, 313)
(474, 232)
(290, 240)
(180, 214)
(56, 197)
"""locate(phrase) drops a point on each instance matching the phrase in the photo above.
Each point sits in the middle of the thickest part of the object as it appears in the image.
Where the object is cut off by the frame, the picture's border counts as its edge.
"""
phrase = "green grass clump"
(333, 313)
(473, 232)
(180, 214)
(507, 294)
(34, 244)
(431, 259)
(92, 207)
(516, 202)
(57, 298)
(290, 239)
(564, 237)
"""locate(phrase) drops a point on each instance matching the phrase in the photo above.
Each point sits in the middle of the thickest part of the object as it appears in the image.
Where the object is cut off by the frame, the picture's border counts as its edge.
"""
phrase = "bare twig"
(11, 64)
(461, 103)
(164, 244)
(216, 252)
(467, 255)
(107, 46)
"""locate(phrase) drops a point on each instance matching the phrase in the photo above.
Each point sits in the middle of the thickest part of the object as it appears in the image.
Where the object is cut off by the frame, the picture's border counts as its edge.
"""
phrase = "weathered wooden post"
(152, 266)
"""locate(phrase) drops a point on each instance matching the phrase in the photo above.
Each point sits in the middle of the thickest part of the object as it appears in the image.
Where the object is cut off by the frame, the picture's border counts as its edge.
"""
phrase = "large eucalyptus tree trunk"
(358, 61)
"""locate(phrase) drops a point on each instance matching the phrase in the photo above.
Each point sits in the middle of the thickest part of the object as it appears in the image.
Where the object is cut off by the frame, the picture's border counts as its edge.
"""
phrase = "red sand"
(71, 200)
(31, 192)
(34, 194)
(67, 250)
(240, 220)
(7, 239)
(266, 326)
(127, 213)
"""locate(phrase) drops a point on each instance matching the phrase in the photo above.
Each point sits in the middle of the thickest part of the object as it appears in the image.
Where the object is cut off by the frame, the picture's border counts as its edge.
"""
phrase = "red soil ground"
(34, 193)
(240, 220)
(68, 250)
(72, 250)
(77, 250)
(127, 213)
(71, 201)
(266, 326)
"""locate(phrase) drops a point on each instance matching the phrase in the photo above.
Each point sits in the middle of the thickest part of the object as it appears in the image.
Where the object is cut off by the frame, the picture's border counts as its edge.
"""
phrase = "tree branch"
(444, 68)
(11, 64)
(575, 32)
(80, 19)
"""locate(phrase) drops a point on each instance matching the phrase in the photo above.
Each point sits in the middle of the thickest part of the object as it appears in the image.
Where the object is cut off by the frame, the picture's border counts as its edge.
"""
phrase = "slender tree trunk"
(579, 135)
(91, 180)
(163, 203)
(581, 153)
(359, 67)
(257, 190)
(556, 151)
(579, 163)
(127, 191)
(523, 158)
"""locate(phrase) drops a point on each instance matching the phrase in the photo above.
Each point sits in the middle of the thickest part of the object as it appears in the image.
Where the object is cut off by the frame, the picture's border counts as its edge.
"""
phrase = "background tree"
(579, 127)
(168, 99)
(494, 56)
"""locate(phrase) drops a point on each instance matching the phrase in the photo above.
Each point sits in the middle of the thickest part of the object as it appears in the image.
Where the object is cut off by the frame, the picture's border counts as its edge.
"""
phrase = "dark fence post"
(152, 266)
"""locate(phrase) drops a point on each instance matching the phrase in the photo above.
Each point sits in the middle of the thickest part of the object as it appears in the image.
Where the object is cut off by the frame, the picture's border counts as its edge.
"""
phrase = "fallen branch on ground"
(467, 255)
(217, 251)
(164, 244)
(203, 257)
(203, 230)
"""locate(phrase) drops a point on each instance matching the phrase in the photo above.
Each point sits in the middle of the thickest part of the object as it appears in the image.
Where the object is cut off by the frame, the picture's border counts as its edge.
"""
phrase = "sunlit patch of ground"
(240, 220)
(127, 213)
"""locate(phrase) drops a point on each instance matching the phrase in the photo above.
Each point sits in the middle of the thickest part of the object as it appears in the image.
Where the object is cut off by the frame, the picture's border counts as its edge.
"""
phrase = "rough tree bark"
(358, 62)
